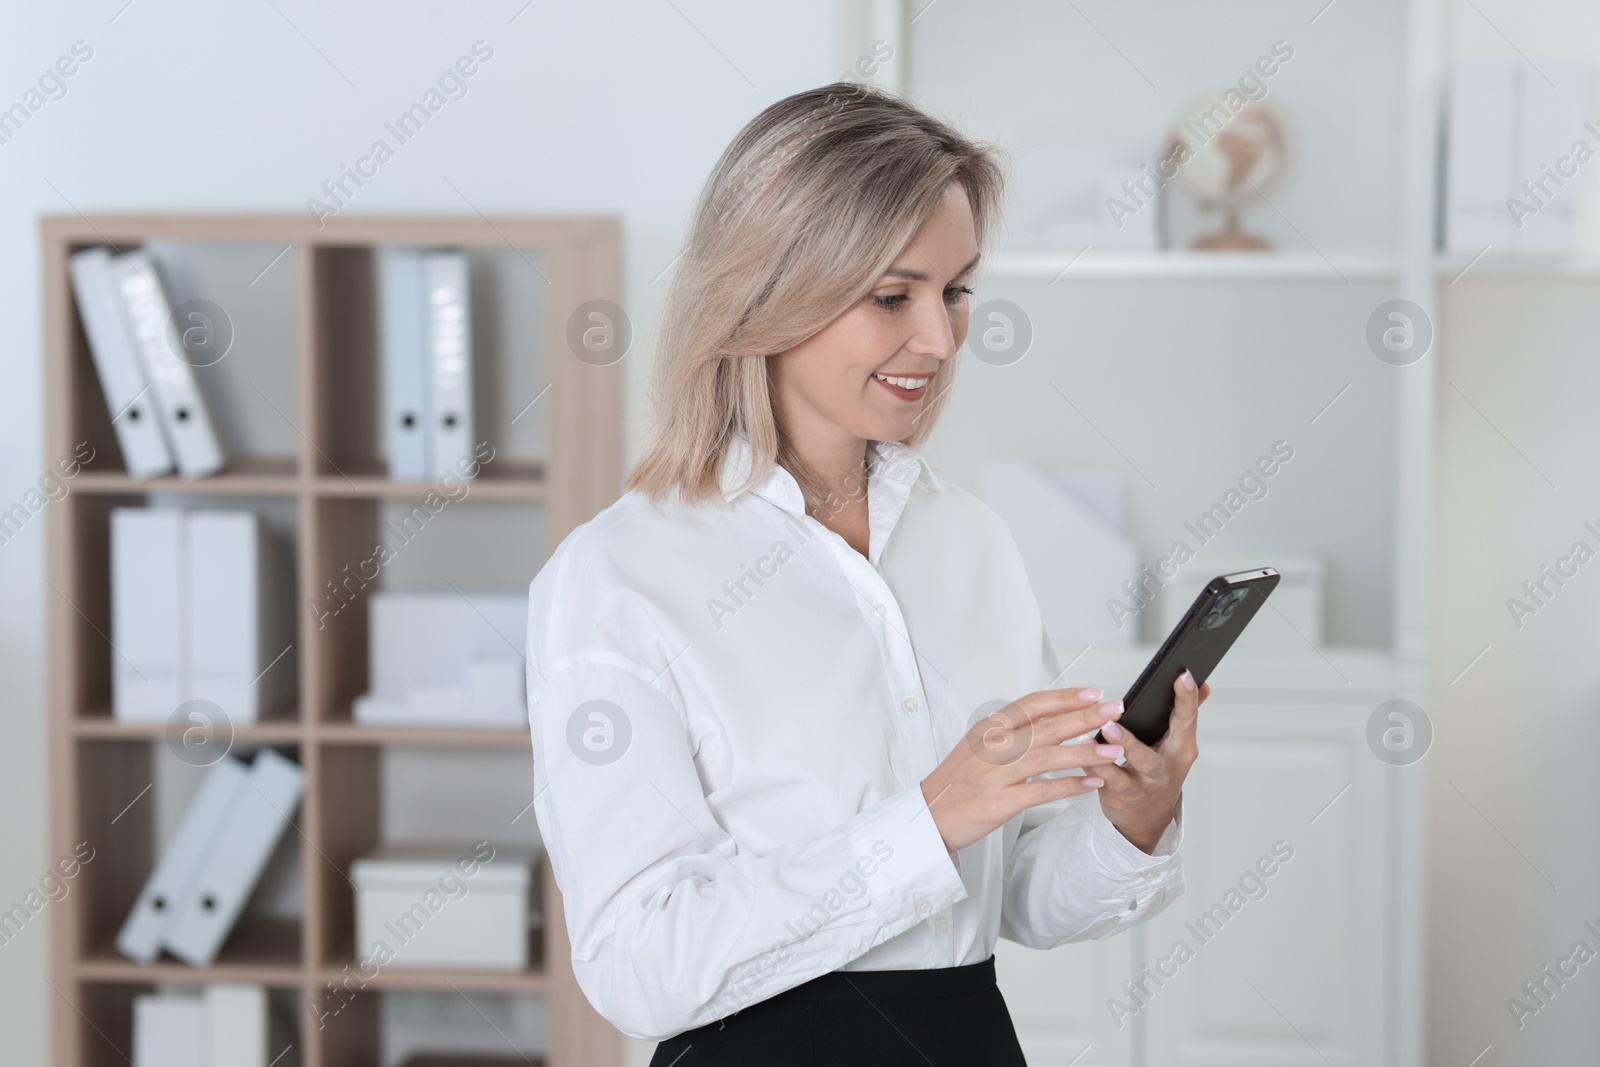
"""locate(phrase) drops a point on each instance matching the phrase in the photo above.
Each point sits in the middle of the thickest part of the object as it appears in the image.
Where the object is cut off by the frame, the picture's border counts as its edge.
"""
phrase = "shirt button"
(910, 705)
(944, 925)
(880, 610)
(924, 906)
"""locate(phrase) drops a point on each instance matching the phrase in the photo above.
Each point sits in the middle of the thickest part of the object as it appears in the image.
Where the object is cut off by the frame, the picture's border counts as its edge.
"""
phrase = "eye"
(953, 294)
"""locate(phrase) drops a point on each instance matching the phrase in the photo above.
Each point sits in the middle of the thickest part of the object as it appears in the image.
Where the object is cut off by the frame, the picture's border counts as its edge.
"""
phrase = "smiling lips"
(904, 386)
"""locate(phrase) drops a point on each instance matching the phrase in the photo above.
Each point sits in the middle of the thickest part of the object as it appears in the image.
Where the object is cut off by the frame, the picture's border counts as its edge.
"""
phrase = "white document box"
(418, 907)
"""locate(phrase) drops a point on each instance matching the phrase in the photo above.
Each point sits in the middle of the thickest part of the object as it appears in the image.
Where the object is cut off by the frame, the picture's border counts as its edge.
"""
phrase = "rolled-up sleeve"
(672, 924)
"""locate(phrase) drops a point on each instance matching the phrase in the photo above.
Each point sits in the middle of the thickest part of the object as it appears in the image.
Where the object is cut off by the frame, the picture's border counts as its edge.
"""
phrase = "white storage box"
(441, 906)
(449, 660)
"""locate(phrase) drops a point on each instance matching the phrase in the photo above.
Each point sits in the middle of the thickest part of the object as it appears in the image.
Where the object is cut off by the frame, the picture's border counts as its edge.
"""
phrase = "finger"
(1182, 734)
(1006, 735)
(1123, 781)
(1043, 792)
(1141, 757)
(1205, 691)
(1045, 702)
(1011, 729)
(1046, 758)
(1054, 729)
(1186, 710)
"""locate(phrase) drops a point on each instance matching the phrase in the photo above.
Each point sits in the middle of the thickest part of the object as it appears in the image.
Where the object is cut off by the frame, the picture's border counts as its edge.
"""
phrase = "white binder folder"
(240, 620)
(149, 673)
(450, 356)
(1478, 174)
(234, 865)
(236, 1024)
(1509, 126)
(183, 410)
(169, 1030)
(1550, 121)
(198, 832)
(402, 339)
(122, 378)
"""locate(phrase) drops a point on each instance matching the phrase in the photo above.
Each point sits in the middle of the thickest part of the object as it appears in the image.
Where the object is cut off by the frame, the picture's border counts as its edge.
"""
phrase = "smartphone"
(1197, 644)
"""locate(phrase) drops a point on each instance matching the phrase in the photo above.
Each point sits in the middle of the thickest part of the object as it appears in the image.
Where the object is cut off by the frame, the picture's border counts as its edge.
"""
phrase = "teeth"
(904, 383)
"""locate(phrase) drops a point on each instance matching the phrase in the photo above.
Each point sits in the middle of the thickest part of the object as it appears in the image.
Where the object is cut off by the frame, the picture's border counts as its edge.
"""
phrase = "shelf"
(104, 728)
(278, 478)
(511, 483)
(533, 980)
(261, 950)
(465, 981)
(310, 460)
(347, 733)
(109, 966)
(1073, 265)
(344, 229)
(246, 477)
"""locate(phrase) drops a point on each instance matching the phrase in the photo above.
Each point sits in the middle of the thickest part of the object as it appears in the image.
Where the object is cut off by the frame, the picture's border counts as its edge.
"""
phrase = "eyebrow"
(920, 276)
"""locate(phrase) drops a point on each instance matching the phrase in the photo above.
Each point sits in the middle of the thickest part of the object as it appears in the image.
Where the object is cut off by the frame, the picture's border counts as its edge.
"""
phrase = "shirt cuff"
(1120, 857)
(901, 857)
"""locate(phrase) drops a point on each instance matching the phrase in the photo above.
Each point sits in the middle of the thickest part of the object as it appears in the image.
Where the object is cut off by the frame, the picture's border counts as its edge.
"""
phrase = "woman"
(789, 695)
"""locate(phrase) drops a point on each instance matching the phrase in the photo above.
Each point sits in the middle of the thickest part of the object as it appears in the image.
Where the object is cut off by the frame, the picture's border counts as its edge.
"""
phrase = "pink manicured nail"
(1089, 694)
(1112, 730)
(1188, 680)
(1094, 783)
(1108, 751)
(1111, 709)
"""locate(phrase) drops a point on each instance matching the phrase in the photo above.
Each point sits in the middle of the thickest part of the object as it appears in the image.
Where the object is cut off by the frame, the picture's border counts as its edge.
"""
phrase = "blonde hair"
(807, 207)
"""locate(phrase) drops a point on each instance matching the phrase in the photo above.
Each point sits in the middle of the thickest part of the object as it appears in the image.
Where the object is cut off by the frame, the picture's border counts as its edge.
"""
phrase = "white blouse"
(732, 713)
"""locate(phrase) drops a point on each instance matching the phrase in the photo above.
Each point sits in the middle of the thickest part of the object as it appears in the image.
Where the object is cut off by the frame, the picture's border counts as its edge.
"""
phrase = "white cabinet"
(1057, 1000)
(1279, 950)
(1279, 911)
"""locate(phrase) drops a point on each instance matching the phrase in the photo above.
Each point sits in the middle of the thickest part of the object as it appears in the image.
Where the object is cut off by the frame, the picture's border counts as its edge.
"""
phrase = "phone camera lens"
(1222, 608)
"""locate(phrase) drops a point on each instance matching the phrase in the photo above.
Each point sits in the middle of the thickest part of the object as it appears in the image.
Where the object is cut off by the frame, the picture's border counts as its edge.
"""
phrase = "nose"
(935, 330)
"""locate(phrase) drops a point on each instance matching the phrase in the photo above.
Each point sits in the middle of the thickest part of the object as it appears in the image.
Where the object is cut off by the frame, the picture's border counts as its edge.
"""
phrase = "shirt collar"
(889, 461)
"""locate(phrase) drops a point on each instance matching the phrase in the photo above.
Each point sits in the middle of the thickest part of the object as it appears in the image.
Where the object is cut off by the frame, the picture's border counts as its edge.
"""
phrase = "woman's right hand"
(984, 780)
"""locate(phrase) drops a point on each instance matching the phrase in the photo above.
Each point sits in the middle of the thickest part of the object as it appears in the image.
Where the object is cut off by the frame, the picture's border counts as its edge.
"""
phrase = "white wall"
(1514, 866)
(597, 107)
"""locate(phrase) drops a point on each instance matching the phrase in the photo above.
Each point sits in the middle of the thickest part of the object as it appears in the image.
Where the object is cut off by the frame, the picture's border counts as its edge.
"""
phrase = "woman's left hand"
(1141, 797)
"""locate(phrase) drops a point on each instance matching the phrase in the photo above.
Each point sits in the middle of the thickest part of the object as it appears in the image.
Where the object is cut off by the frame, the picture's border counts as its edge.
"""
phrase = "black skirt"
(951, 1016)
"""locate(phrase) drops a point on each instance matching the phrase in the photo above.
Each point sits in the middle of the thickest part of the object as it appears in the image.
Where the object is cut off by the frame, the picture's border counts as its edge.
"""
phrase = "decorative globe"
(1223, 155)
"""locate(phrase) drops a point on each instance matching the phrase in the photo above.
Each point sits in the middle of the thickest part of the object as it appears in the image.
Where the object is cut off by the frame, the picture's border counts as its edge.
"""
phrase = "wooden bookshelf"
(335, 483)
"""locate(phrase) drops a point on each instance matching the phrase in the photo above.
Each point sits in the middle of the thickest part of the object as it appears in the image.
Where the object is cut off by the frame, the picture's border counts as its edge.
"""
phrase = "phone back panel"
(1149, 702)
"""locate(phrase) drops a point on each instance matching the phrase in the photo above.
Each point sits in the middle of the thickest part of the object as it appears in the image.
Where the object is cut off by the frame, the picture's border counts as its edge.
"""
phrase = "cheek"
(859, 343)
(876, 329)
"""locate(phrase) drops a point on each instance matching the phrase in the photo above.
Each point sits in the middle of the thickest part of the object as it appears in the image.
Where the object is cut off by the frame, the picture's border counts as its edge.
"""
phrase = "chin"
(890, 429)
